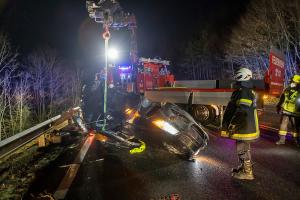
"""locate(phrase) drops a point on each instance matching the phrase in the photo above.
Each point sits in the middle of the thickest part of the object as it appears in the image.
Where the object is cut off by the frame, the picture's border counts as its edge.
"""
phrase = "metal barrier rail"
(13, 143)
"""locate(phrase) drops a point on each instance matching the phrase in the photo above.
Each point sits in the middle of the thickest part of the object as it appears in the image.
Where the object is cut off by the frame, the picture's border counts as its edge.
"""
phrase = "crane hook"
(106, 34)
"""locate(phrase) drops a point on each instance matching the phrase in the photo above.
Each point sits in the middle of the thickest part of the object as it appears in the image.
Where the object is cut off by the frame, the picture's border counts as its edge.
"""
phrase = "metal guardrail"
(13, 143)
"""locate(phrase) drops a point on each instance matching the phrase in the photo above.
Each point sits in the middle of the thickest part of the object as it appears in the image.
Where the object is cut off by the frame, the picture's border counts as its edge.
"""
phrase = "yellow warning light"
(128, 111)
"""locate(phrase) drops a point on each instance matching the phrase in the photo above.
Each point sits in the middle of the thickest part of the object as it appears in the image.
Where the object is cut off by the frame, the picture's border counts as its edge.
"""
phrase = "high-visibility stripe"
(282, 132)
(289, 103)
(256, 121)
(246, 102)
(249, 136)
(224, 134)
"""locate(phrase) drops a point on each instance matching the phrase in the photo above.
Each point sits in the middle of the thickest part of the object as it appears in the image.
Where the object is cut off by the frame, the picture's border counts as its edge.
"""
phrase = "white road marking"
(64, 166)
(69, 177)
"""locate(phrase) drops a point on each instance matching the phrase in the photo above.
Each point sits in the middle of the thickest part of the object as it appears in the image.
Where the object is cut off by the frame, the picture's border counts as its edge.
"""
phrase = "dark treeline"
(34, 87)
(264, 24)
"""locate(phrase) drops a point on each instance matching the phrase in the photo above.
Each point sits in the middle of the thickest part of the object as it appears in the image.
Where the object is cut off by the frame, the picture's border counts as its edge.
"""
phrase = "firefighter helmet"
(296, 79)
(243, 74)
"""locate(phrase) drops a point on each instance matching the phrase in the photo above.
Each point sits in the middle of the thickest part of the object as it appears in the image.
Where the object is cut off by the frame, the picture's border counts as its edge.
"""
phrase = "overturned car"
(169, 126)
(149, 124)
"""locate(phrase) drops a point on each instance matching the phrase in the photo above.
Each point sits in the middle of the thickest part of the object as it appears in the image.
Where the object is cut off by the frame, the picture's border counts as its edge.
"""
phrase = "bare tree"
(267, 23)
(21, 102)
(76, 86)
(8, 64)
(45, 86)
(54, 85)
(38, 65)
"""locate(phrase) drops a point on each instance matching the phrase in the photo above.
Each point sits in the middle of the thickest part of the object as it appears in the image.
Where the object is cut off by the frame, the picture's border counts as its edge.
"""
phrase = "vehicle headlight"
(165, 126)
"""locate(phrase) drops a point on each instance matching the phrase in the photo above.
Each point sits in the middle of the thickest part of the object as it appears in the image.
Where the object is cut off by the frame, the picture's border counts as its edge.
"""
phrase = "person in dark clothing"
(240, 122)
(93, 101)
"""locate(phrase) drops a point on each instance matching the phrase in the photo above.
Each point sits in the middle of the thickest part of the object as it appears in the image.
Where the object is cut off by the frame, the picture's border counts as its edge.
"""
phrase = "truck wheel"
(203, 114)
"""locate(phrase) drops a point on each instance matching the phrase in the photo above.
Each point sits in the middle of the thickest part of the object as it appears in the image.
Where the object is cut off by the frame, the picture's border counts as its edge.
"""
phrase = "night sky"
(164, 26)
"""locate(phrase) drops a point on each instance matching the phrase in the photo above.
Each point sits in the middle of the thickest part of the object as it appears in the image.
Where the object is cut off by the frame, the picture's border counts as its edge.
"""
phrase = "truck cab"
(153, 73)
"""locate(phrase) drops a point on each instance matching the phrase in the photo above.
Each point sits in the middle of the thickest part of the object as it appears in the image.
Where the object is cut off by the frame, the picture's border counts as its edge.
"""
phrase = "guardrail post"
(42, 141)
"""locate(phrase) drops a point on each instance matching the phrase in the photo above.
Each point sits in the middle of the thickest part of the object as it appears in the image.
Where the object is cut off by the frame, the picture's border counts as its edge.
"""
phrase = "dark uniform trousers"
(288, 104)
(294, 122)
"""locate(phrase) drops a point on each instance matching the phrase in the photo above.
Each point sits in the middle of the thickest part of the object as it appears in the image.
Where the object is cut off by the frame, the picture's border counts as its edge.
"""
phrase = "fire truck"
(205, 100)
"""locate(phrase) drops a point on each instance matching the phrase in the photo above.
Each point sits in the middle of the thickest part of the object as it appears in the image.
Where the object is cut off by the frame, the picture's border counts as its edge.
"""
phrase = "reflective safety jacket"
(240, 120)
(289, 100)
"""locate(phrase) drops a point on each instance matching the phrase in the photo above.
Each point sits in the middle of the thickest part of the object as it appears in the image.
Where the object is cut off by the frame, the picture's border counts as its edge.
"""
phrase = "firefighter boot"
(281, 140)
(245, 173)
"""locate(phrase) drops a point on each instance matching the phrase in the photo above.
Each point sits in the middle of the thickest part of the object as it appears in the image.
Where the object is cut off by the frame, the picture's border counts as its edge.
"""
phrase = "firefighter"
(93, 100)
(288, 107)
(240, 122)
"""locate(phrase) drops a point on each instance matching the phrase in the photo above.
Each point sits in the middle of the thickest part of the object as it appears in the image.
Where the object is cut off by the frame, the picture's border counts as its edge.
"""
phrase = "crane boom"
(111, 14)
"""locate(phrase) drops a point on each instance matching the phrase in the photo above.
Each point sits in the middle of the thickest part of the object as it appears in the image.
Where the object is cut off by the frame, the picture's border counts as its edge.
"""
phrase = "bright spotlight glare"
(113, 54)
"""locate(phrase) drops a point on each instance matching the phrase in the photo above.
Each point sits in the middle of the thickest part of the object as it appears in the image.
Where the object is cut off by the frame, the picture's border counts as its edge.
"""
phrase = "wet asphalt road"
(155, 174)
(109, 173)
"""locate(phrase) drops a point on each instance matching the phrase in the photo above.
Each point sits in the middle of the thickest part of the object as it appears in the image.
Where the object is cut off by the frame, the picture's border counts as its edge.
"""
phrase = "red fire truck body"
(153, 74)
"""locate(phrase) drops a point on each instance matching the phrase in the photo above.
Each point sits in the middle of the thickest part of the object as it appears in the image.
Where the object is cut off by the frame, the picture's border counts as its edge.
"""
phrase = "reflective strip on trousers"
(282, 132)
